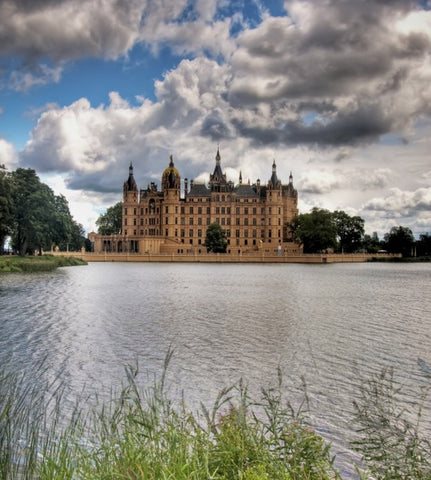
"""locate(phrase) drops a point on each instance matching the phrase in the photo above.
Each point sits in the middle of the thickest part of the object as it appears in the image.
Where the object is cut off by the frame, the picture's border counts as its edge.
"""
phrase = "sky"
(338, 92)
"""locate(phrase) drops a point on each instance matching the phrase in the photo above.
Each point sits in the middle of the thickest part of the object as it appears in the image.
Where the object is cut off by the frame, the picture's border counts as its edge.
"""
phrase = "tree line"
(33, 216)
(322, 230)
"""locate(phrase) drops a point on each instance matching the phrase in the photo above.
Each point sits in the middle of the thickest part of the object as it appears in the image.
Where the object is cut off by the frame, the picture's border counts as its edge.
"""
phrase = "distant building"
(254, 216)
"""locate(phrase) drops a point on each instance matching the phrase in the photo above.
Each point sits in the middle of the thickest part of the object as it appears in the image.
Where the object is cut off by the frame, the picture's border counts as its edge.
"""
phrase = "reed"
(140, 433)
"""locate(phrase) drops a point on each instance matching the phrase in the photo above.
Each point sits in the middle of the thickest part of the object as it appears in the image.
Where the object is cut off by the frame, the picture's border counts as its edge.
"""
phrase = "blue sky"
(338, 92)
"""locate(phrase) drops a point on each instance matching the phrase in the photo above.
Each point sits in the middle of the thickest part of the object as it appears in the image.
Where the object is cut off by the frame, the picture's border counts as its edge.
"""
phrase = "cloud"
(89, 143)
(336, 73)
(23, 79)
(46, 35)
(8, 155)
(401, 202)
(318, 182)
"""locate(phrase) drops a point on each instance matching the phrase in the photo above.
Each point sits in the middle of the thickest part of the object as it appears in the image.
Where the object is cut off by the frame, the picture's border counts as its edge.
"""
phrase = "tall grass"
(391, 441)
(140, 434)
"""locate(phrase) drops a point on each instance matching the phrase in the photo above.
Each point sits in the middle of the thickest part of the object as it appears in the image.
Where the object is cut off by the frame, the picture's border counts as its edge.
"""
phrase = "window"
(191, 221)
(191, 210)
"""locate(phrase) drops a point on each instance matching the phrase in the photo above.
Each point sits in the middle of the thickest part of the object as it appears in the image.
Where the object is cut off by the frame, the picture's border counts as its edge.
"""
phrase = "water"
(331, 324)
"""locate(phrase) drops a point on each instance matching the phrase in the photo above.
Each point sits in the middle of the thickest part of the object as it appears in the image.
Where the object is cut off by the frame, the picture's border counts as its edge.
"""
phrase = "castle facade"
(254, 217)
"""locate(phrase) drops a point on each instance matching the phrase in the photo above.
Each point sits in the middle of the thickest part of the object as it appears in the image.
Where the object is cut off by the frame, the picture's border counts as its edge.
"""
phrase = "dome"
(171, 176)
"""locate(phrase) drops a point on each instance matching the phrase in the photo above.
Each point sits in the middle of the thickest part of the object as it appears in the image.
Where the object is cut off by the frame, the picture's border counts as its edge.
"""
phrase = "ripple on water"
(332, 324)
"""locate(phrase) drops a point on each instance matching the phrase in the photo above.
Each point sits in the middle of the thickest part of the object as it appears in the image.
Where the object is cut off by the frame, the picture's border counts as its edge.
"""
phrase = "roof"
(242, 190)
(199, 190)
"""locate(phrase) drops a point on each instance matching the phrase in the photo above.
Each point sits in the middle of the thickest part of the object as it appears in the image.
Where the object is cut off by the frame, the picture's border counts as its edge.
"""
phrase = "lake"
(332, 325)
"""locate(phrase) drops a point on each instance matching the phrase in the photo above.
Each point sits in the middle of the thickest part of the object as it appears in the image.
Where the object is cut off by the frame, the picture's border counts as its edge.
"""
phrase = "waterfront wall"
(258, 257)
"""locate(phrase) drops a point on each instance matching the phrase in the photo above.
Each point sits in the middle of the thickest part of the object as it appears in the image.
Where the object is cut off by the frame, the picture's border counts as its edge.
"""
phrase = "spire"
(240, 177)
(274, 179)
(171, 161)
(291, 177)
(218, 156)
(130, 184)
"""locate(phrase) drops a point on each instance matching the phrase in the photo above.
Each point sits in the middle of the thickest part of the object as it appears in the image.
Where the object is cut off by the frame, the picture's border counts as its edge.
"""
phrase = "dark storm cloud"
(364, 124)
(215, 126)
(68, 29)
(360, 66)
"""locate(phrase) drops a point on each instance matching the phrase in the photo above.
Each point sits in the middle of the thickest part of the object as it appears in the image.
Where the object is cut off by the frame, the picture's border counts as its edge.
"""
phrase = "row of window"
(199, 233)
(200, 221)
(200, 210)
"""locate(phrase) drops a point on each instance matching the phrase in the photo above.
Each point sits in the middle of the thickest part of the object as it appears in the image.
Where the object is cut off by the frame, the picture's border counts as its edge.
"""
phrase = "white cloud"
(23, 80)
(8, 155)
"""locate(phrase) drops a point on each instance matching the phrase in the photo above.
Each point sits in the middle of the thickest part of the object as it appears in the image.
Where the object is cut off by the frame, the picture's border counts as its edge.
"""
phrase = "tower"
(130, 204)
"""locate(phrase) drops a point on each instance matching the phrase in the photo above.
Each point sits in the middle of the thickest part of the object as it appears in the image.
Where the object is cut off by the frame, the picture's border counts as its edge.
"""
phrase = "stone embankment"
(258, 257)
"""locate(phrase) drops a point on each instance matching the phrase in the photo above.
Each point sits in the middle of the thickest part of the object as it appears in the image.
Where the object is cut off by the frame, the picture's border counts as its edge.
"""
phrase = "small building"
(254, 217)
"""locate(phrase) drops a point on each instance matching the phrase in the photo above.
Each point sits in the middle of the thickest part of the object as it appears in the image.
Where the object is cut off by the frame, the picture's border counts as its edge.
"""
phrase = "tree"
(316, 230)
(6, 219)
(423, 245)
(350, 231)
(110, 222)
(215, 239)
(400, 240)
(33, 212)
(40, 218)
(371, 243)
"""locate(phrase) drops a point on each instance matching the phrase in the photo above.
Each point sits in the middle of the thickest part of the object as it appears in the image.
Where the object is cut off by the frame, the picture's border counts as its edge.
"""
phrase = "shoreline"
(258, 257)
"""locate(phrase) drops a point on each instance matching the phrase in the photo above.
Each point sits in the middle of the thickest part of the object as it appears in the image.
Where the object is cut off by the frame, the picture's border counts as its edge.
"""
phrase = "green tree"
(40, 218)
(400, 240)
(371, 243)
(33, 211)
(350, 231)
(6, 218)
(423, 245)
(110, 222)
(215, 239)
(316, 230)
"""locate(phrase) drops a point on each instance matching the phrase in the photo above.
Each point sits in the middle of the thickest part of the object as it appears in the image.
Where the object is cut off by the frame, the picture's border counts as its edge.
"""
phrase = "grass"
(43, 263)
(140, 434)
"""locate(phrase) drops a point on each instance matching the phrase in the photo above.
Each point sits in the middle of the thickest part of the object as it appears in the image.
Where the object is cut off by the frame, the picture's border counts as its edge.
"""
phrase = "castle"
(254, 217)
